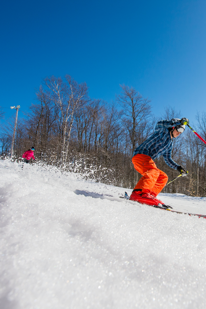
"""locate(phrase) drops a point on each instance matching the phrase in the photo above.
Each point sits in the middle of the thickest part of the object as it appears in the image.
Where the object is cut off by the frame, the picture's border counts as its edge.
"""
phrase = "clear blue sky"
(158, 47)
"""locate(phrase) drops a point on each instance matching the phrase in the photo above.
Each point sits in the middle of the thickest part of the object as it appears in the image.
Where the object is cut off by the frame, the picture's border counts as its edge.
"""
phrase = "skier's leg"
(25, 161)
(149, 171)
(160, 183)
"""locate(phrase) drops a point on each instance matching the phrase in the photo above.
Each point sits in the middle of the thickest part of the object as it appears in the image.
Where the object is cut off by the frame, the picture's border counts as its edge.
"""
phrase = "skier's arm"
(169, 161)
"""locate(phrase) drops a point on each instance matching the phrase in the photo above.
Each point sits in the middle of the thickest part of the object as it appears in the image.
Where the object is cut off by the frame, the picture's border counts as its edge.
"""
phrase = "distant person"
(159, 143)
(28, 155)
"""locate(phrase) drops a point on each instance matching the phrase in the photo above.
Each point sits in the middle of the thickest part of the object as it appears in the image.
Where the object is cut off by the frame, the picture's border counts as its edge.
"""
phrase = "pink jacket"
(29, 154)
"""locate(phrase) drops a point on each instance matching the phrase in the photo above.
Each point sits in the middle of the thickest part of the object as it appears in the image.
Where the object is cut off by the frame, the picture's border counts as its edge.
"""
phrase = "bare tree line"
(70, 130)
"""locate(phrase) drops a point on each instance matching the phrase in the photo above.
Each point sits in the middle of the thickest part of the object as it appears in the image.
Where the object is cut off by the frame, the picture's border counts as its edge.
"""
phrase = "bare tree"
(45, 117)
(135, 120)
(67, 96)
(136, 111)
(5, 144)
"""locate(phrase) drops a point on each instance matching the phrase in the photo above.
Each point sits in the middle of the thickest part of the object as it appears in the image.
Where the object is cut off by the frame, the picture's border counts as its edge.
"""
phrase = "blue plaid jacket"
(160, 142)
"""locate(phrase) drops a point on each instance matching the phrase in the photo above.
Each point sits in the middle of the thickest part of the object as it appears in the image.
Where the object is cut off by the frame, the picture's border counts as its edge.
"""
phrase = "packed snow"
(74, 244)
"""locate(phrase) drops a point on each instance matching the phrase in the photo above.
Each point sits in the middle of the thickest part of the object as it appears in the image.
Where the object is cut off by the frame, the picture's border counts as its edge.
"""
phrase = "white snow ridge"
(67, 243)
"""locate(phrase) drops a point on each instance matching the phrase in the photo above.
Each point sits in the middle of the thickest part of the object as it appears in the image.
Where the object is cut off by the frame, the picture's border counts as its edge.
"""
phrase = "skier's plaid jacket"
(160, 142)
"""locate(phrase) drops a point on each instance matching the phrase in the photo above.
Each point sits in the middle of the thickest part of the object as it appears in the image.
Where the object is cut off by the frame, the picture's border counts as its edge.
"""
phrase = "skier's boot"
(154, 196)
(135, 196)
(148, 199)
(144, 198)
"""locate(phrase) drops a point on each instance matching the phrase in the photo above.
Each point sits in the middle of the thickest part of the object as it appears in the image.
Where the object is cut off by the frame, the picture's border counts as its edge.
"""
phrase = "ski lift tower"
(14, 133)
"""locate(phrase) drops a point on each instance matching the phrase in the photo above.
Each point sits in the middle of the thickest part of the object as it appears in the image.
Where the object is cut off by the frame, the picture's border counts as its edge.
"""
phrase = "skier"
(29, 154)
(160, 142)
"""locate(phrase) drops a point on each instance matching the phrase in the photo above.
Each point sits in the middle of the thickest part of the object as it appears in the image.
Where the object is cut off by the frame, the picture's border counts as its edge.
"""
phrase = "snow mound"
(70, 243)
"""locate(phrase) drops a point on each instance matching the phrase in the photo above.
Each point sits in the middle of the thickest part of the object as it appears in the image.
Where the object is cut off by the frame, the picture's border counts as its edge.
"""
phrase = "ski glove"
(184, 121)
(182, 170)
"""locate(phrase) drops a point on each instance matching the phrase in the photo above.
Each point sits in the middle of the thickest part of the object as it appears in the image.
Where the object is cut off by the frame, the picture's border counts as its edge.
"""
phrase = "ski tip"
(167, 206)
(126, 195)
(163, 206)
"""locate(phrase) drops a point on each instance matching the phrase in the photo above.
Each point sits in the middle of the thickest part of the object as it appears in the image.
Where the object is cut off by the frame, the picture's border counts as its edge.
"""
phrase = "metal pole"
(181, 174)
(196, 134)
(173, 179)
(14, 133)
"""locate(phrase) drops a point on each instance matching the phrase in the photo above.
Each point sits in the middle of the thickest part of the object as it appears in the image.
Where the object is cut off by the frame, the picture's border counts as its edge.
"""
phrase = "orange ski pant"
(153, 180)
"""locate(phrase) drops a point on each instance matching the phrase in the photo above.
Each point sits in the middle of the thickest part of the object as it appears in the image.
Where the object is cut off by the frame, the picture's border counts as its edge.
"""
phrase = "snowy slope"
(74, 244)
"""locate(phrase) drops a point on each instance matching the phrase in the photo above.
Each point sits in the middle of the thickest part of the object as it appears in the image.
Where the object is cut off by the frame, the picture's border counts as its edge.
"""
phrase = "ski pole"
(196, 134)
(181, 174)
(173, 179)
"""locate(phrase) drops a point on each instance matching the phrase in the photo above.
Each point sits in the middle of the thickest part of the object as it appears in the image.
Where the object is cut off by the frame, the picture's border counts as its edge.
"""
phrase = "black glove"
(184, 121)
(181, 170)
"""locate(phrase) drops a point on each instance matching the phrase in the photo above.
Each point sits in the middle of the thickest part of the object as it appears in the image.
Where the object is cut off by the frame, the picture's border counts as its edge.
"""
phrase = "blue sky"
(157, 47)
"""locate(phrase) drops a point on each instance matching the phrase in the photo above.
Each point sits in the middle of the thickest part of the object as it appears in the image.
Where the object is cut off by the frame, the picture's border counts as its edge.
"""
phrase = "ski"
(184, 213)
(168, 208)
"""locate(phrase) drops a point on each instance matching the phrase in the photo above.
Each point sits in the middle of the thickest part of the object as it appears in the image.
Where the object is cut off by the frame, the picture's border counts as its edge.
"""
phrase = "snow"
(70, 243)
